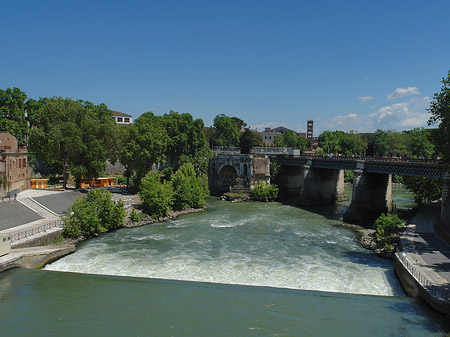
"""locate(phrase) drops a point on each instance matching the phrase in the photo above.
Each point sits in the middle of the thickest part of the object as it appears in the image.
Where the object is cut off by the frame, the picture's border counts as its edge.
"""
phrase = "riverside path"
(423, 260)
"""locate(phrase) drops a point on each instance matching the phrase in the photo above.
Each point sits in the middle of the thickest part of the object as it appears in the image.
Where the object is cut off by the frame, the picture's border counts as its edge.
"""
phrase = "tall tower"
(309, 129)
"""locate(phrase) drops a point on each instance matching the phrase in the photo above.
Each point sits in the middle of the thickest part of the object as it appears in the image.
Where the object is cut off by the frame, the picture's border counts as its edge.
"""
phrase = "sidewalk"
(426, 258)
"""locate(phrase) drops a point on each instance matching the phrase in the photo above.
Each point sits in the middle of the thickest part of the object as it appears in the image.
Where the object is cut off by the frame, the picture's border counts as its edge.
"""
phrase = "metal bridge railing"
(435, 290)
(226, 150)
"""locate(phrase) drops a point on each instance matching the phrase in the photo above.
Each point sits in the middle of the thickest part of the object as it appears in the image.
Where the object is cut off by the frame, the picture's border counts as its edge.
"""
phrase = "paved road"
(13, 214)
(60, 202)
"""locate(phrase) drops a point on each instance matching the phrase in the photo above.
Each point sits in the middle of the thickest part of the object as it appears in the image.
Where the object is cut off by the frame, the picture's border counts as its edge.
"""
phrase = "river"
(237, 269)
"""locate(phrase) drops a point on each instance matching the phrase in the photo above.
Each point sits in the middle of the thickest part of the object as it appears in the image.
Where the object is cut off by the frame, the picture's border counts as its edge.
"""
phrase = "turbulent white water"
(248, 244)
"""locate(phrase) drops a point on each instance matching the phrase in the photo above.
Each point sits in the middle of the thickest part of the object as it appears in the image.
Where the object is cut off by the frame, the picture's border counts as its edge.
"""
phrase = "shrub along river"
(237, 269)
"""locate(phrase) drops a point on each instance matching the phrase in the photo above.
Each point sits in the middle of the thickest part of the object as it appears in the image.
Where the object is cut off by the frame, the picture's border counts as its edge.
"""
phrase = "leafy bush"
(157, 197)
(348, 176)
(95, 214)
(396, 179)
(135, 216)
(263, 192)
(385, 224)
(190, 191)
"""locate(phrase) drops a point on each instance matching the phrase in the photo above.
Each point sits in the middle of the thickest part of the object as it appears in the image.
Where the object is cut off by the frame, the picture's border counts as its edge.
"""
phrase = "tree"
(380, 141)
(440, 112)
(146, 145)
(250, 139)
(187, 141)
(420, 143)
(331, 141)
(13, 114)
(156, 196)
(75, 135)
(227, 131)
(240, 124)
(290, 139)
(424, 189)
(190, 191)
(398, 144)
(95, 214)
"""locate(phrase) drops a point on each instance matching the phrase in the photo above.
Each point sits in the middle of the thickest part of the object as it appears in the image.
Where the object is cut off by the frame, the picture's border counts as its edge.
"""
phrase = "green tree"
(420, 143)
(353, 144)
(331, 141)
(290, 139)
(424, 189)
(13, 114)
(250, 139)
(146, 145)
(187, 141)
(227, 131)
(156, 196)
(398, 144)
(381, 142)
(190, 191)
(75, 135)
(440, 112)
(95, 214)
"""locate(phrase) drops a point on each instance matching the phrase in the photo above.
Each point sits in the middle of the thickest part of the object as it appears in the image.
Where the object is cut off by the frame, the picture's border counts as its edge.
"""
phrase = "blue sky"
(348, 65)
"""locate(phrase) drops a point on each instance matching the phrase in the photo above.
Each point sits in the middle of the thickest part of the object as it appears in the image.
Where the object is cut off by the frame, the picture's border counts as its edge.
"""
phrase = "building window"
(114, 118)
(119, 119)
(127, 120)
(24, 162)
(20, 164)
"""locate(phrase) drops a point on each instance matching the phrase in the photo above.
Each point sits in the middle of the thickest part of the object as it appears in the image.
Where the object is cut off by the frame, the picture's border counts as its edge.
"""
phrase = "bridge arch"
(228, 175)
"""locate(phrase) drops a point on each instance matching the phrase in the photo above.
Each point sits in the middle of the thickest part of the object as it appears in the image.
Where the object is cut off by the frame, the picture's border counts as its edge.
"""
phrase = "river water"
(237, 269)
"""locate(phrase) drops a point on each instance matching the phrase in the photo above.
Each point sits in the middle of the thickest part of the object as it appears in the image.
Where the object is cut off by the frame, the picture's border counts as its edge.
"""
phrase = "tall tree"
(74, 134)
(249, 139)
(13, 114)
(440, 112)
(146, 145)
(187, 141)
(381, 142)
(227, 131)
(420, 143)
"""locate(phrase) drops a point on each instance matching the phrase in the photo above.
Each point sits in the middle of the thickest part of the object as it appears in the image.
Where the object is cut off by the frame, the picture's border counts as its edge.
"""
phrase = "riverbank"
(366, 237)
(147, 220)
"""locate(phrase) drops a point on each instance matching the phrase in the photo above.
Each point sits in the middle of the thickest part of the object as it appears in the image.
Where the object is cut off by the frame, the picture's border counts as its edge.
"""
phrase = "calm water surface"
(238, 269)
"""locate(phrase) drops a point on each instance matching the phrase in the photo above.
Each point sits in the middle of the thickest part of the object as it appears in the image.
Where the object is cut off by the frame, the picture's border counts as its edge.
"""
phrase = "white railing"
(435, 290)
(41, 228)
(227, 150)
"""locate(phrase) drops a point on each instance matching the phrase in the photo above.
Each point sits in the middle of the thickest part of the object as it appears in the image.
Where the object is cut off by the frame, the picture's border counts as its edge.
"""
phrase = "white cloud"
(365, 99)
(400, 116)
(403, 92)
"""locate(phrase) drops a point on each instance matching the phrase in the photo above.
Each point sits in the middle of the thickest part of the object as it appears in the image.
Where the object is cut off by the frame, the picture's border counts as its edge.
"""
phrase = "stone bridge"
(316, 180)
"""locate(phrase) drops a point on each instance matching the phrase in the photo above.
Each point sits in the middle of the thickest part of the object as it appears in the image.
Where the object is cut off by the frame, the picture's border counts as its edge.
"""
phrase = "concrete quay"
(34, 257)
(422, 262)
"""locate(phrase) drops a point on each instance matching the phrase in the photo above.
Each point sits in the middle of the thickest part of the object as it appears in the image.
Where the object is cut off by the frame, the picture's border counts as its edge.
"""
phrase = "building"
(269, 134)
(310, 130)
(122, 118)
(15, 173)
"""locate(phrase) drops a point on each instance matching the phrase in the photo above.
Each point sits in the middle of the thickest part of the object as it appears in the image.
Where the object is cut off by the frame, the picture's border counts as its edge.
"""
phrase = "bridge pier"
(291, 179)
(321, 186)
(372, 195)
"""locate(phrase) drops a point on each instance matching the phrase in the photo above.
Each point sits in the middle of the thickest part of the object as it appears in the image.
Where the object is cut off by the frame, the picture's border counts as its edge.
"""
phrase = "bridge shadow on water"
(332, 211)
